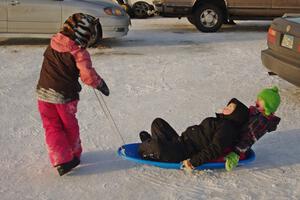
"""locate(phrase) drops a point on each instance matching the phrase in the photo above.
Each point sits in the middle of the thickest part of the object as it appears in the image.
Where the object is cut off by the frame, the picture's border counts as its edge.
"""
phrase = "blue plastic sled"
(130, 152)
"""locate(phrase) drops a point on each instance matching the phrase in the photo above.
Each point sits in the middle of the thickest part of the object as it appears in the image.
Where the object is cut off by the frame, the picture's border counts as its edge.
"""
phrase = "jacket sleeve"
(274, 121)
(257, 127)
(223, 138)
(88, 74)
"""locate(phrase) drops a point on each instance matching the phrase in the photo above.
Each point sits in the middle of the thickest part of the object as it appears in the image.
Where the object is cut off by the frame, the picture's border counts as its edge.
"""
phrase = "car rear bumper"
(283, 67)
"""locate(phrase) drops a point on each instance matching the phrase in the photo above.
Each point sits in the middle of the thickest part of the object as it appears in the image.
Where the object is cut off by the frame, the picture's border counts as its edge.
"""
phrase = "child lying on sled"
(197, 144)
(261, 120)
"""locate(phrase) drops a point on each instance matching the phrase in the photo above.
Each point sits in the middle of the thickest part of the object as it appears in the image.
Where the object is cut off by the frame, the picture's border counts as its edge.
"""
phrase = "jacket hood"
(61, 43)
(240, 115)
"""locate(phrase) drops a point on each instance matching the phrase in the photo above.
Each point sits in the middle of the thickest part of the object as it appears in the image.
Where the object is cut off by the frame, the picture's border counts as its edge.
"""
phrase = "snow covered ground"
(163, 68)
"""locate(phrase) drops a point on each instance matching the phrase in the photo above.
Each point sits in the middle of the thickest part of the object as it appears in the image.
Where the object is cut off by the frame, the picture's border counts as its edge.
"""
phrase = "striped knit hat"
(80, 28)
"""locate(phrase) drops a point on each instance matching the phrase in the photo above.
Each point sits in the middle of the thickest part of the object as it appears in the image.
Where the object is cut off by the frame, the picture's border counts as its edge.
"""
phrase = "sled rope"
(109, 116)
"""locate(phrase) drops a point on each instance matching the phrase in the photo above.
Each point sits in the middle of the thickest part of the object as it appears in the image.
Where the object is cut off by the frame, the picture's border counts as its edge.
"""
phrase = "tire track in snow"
(170, 187)
(263, 176)
(179, 183)
(165, 82)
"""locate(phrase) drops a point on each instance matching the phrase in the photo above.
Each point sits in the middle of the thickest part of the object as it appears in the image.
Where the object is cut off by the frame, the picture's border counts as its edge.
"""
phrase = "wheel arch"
(219, 3)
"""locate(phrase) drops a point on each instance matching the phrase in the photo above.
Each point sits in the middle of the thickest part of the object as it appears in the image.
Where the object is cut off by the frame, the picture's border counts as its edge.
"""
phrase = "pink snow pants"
(61, 131)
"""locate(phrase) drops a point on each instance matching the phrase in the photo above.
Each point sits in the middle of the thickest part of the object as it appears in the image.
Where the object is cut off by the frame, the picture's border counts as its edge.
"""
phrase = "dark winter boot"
(68, 166)
(144, 135)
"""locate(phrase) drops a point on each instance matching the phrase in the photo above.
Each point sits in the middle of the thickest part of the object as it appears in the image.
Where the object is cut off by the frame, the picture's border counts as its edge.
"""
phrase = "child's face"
(260, 104)
(229, 109)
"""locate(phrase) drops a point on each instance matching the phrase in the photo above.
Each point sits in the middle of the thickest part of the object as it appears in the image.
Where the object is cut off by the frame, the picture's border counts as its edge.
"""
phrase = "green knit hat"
(271, 99)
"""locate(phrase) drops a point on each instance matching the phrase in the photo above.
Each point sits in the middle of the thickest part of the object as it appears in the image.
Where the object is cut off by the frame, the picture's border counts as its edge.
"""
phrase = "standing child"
(65, 60)
(261, 120)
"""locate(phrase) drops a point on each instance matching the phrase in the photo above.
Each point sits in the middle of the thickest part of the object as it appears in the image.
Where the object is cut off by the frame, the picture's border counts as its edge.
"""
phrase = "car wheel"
(191, 19)
(208, 18)
(96, 39)
(141, 9)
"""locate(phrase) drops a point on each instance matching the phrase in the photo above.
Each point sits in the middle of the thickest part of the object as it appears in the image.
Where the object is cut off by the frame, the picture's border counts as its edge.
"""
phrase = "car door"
(34, 16)
(187, 3)
(249, 3)
(254, 8)
(3, 16)
(281, 7)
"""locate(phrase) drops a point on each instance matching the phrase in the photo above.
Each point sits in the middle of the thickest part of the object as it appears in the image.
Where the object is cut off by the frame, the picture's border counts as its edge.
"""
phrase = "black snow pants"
(164, 145)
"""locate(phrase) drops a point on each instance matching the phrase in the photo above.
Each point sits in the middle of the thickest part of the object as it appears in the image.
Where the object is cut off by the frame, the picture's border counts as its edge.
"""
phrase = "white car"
(137, 8)
(42, 18)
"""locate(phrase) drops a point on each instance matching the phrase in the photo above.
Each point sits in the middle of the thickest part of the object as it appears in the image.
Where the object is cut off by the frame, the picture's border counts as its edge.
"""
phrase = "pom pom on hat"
(271, 99)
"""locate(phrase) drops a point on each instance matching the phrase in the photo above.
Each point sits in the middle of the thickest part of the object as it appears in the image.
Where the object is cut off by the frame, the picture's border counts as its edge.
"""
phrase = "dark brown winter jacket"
(64, 62)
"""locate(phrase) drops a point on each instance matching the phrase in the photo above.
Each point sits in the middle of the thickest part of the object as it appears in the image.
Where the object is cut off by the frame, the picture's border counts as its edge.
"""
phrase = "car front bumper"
(287, 69)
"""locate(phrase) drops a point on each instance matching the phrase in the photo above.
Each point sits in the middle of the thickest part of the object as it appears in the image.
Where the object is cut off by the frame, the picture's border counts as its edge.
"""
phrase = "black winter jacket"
(208, 140)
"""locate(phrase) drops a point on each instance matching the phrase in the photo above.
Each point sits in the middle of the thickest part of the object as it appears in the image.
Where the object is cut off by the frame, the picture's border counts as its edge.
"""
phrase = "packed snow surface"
(162, 68)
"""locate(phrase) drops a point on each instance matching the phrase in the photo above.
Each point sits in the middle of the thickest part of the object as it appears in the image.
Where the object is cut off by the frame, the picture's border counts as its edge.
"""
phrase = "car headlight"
(114, 11)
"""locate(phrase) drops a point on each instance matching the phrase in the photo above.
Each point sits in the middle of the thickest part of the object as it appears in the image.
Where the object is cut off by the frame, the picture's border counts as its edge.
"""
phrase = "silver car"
(42, 18)
(282, 57)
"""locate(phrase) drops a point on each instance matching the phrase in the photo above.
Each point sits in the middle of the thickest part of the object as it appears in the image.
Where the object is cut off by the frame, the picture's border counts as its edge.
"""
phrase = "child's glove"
(232, 160)
(103, 88)
(187, 166)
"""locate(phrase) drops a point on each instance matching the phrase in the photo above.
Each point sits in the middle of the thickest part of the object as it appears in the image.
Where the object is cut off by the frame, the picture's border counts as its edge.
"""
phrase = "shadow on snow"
(101, 161)
(276, 150)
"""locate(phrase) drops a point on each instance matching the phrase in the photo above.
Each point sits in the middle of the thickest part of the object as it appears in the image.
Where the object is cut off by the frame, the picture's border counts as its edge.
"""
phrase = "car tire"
(98, 36)
(191, 19)
(141, 9)
(208, 18)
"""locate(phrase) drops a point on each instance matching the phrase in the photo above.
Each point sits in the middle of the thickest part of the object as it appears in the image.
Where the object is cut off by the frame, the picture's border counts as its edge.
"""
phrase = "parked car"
(138, 8)
(36, 18)
(209, 15)
(283, 54)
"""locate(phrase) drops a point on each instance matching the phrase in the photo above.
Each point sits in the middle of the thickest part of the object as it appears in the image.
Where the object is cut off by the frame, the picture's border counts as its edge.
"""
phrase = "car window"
(294, 19)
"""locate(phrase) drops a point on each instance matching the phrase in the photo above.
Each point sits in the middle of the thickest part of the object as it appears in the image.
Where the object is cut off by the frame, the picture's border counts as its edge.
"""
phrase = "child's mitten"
(103, 88)
(232, 160)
